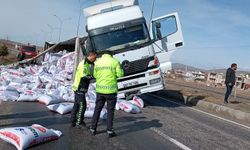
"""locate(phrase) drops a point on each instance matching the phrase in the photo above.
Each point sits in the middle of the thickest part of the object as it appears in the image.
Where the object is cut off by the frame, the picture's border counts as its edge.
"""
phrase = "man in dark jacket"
(230, 81)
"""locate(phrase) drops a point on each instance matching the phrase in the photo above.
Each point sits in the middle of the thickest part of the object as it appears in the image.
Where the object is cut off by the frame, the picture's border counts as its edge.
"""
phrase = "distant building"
(178, 74)
(246, 84)
(239, 81)
(215, 79)
(199, 76)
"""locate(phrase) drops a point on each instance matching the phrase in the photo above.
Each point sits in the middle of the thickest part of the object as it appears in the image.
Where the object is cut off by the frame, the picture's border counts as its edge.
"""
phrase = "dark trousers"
(100, 101)
(228, 92)
(77, 114)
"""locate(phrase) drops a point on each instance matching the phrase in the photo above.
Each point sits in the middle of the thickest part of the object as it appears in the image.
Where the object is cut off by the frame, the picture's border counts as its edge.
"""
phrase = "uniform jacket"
(106, 71)
(82, 77)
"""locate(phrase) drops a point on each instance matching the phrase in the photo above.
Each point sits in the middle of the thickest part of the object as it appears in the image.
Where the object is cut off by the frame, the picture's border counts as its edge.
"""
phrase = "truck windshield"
(119, 39)
(29, 49)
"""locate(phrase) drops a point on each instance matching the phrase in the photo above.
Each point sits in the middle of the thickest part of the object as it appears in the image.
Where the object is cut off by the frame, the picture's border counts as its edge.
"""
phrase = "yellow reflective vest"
(106, 71)
(83, 69)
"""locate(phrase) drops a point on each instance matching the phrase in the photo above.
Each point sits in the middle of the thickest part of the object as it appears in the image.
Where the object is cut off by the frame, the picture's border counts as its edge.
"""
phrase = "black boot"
(111, 134)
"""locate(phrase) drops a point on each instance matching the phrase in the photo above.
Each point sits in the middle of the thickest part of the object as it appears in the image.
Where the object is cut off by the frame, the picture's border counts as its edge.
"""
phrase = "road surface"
(161, 125)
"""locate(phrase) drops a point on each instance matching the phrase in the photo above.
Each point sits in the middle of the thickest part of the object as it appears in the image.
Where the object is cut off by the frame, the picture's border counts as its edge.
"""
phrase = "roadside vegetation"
(5, 56)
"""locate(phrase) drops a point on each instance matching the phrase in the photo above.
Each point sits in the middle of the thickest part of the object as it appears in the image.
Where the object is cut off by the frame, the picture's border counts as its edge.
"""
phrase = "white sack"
(3, 81)
(54, 57)
(61, 108)
(24, 137)
(38, 83)
(69, 97)
(128, 107)
(90, 108)
(10, 95)
(53, 69)
(90, 113)
(92, 86)
(69, 66)
(117, 107)
(62, 61)
(28, 98)
(91, 94)
(138, 101)
(32, 70)
(16, 72)
(47, 100)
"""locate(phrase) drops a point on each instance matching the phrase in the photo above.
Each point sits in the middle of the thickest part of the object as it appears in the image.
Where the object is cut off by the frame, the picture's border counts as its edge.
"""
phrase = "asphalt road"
(161, 125)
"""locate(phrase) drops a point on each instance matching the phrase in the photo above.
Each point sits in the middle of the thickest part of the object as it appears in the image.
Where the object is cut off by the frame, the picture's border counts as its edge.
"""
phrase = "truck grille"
(137, 66)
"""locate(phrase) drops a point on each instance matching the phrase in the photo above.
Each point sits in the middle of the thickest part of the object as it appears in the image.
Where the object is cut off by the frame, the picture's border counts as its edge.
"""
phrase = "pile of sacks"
(53, 80)
(51, 84)
(133, 106)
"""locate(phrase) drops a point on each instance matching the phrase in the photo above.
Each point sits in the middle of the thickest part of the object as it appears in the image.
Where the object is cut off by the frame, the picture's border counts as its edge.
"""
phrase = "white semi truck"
(143, 51)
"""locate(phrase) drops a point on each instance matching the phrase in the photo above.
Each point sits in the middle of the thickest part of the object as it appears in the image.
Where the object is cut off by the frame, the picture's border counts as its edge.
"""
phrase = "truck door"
(167, 36)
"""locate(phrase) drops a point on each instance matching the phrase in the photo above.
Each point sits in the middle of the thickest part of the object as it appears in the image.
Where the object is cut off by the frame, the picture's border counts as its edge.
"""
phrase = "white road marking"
(244, 126)
(179, 144)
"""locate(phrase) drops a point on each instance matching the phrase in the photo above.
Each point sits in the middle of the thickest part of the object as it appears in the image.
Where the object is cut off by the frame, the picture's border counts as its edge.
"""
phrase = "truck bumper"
(141, 83)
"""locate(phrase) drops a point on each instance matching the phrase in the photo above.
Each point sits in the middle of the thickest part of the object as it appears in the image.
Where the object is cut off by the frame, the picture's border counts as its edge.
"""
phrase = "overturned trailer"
(76, 44)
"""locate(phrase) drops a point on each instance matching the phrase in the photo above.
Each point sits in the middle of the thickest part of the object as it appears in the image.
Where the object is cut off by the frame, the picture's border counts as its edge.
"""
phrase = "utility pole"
(61, 23)
(152, 12)
(79, 18)
(51, 31)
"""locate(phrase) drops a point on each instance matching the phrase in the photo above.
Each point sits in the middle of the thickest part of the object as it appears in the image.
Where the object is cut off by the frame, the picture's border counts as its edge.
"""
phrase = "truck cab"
(144, 52)
(26, 51)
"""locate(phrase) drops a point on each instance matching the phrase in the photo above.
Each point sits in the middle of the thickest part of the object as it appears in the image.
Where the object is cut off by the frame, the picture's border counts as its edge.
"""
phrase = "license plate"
(130, 84)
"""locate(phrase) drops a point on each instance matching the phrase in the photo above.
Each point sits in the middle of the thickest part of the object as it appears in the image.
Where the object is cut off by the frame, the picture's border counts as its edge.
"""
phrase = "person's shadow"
(138, 126)
(135, 124)
(26, 119)
(25, 115)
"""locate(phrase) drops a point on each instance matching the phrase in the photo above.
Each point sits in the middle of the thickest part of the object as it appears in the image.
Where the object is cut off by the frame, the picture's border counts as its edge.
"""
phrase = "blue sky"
(216, 32)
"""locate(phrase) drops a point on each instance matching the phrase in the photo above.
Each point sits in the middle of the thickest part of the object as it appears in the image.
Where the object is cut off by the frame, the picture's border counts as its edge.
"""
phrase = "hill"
(191, 68)
(180, 66)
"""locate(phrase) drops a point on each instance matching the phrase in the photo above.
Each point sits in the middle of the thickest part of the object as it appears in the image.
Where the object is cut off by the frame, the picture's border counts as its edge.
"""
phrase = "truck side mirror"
(158, 30)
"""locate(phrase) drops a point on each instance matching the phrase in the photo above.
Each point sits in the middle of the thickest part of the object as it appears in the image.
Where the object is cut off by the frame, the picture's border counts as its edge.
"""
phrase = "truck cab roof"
(114, 17)
(104, 7)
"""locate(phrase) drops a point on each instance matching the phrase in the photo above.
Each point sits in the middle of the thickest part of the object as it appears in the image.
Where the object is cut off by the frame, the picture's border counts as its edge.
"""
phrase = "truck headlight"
(154, 72)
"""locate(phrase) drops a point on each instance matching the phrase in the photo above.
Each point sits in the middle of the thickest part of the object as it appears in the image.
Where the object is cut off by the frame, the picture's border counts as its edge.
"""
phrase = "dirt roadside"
(199, 91)
(209, 99)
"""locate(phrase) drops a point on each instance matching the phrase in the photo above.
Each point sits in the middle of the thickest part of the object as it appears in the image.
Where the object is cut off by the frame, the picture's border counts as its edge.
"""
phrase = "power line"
(151, 13)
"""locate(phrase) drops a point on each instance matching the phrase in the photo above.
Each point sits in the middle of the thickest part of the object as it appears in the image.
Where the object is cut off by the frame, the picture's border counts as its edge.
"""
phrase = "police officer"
(106, 71)
(80, 86)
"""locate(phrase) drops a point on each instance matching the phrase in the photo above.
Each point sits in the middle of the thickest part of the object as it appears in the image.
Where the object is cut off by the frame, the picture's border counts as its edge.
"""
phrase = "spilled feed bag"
(129, 107)
(138, 101)
(61, 108)
(24, 137)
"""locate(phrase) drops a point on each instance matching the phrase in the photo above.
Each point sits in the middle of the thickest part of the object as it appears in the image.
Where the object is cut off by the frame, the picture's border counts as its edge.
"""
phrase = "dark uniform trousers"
(79, 108)
(100, 101)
